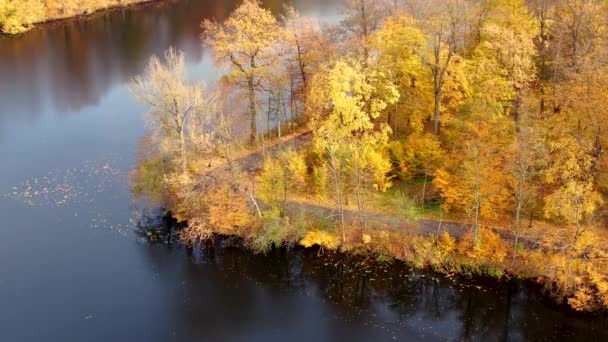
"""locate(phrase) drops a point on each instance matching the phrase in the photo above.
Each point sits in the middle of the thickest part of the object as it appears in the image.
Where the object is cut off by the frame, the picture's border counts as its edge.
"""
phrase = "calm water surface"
(72, 267)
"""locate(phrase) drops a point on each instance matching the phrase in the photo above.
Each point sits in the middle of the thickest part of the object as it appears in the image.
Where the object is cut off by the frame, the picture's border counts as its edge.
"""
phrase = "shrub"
(446, 243)
(489, 247)
(320, 238)
(148, 177)
(277, 230)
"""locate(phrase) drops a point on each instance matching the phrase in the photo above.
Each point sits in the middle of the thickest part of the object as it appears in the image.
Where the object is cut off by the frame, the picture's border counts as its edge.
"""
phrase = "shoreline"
(440, 245)
(370, 258)
(95, 11)
(80, 15)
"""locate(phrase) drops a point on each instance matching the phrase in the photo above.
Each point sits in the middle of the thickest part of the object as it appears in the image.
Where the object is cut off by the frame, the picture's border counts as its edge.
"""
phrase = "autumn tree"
(346, 102)
(281, 174)
(575, 197)
(399, 44)
(419, 155)
(442, 29)
(578, 30)
(507, 41)
(18, 16)
(173, 100)
(542, 12)
(362, 18)
(304, 51)
(528, 159)
(574, 201)
(248, 43)
(506, 54)
(583, 114)
(576, 138)
(474, 178)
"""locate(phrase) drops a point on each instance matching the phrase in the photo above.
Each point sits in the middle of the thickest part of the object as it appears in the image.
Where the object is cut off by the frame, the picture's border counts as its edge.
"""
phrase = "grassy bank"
(217, 199)
(17, 16)
(307, 227)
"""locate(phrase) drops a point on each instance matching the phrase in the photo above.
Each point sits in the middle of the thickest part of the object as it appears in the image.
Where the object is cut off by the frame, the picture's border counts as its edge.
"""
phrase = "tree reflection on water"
(224, 287)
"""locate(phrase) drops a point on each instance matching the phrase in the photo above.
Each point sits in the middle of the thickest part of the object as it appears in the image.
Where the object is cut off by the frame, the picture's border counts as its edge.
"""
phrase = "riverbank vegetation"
(466, 136)
(18, 16)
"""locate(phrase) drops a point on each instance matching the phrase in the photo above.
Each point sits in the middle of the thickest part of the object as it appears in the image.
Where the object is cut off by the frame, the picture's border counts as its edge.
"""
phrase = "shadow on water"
(156, 226)
(227, 288)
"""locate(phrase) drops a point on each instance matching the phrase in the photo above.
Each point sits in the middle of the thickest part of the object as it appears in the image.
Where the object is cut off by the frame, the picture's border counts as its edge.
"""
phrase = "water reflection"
(68, 66)
(224, 292)
(65, 67)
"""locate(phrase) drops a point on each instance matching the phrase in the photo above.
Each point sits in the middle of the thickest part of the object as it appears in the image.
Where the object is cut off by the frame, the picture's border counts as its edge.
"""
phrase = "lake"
(73, 265)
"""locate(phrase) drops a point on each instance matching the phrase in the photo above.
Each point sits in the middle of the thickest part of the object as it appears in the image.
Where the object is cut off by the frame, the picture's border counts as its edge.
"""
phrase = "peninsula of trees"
(382, 132)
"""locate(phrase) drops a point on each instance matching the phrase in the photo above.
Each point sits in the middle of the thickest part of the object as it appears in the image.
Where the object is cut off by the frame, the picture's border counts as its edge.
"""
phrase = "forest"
(466, 136)
(18, 16)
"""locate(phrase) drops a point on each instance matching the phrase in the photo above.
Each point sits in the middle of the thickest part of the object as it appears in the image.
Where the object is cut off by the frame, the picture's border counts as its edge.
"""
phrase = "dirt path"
(252, 162)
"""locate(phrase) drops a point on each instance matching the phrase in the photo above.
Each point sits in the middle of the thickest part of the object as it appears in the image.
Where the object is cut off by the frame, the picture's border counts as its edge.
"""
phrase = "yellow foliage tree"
(344, 101)
(400, 45)
(583, 113)
(574, 198)
(282, 174)
(420, 154)
(474, 179)
(248, 43)
(507, 44)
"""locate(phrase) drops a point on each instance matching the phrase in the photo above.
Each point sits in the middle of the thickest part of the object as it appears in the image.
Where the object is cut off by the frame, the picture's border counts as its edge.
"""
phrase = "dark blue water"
(72, 267)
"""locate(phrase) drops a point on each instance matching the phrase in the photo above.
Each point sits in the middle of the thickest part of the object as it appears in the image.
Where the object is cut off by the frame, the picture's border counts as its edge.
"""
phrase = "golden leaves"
(18, 15)
(574, 196)
(246, 41)
(320, 238)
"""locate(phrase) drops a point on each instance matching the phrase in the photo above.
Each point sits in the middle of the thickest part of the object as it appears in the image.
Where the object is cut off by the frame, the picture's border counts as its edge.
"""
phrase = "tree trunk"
(182, 139)
(477, 199)
(360, 202)
(365, 33)
(284, 106)
(301, 65)
(293, 104)
(268, 113)
(285, 188)
(436, 112)
(423, 199)
(252, 111)
(520, 196)
(182, 146)
(395, 119)
(517, 109)
(476, 222)
(338, 179)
